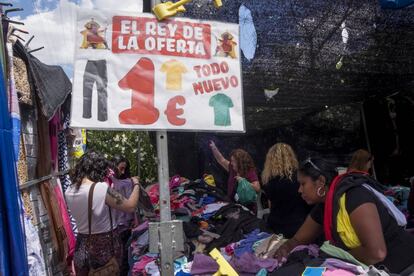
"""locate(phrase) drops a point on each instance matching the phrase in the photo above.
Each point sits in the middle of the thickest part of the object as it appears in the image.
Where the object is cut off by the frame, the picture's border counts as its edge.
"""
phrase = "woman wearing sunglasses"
(353, 215)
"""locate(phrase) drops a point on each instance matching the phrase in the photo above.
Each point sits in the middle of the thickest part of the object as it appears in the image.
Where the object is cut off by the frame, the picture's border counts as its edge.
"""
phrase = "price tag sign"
(134, 72)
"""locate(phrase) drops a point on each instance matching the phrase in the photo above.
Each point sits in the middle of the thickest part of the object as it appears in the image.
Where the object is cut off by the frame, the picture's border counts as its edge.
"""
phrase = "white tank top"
(77, 201)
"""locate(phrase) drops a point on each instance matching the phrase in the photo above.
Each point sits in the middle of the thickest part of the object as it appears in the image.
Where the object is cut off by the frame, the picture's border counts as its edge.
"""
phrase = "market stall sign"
(133, 72)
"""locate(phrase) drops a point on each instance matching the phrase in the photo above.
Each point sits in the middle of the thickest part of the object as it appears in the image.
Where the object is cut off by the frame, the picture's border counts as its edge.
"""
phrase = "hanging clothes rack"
(29, 51)
(12, 240)
(12, 32)
(6, 12)
(33, 182)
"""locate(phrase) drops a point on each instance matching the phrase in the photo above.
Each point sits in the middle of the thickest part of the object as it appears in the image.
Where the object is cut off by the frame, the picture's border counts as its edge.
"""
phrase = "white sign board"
(133, 72)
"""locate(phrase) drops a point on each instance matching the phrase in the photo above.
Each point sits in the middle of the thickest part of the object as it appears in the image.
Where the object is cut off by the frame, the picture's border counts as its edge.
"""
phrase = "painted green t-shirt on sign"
(221, 104)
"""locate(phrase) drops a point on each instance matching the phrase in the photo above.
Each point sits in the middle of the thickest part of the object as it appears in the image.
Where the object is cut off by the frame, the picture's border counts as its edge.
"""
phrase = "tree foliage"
(134, 145)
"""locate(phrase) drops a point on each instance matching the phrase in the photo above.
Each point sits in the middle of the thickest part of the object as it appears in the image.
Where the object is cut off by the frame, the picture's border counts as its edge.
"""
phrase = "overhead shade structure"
(318, 53)
(316, 62)
(13, 260)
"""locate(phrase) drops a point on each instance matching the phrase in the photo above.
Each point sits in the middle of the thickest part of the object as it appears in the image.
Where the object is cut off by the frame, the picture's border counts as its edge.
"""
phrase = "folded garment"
(269, 246)
(141, 227)
(373, 271)
(191, 229)
(334, 264)
(249, 263)
(262, 272)
(154, 193)
(197, 212)
(246, 245)
(208, 200)
(234, 230)
(181, 266)
(203, 225)
(391, 208)
(314, 271)
(340, 254)
(207, 216)
(337, 272)
(296, 263)
(313, 250)
(143, 240)
(139, 266)
(182, 273)
(189, 193)
(214, 207)
(229, 249)
(175, 181)
(191, 206)
(210, 234)
(226, 256)
(140, 238)
(209, 180)
(183, 201)
(152, 269)
(182, 212)
(203, 264)
(205, 239)
(234, 215)
(199, 247)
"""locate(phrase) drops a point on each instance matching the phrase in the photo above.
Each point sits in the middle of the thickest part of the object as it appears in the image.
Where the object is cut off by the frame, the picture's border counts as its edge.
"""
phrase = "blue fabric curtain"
(395, 4)
(13, 259)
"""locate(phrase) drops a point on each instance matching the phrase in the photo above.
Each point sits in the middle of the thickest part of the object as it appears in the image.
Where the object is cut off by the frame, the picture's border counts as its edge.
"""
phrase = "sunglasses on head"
(309, 161)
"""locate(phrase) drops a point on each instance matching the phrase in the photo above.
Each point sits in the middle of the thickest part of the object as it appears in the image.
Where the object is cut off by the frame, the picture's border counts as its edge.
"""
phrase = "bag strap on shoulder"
(112, 228)
(90, 200)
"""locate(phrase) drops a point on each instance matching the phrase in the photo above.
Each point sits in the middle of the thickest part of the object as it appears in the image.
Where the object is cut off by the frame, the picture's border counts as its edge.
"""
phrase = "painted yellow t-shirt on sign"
(174, 70)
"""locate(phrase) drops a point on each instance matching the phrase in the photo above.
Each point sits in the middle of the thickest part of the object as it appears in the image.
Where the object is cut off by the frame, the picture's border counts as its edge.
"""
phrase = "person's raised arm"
(307, 233)
(219, 157)
(367, 225)
(119, 202)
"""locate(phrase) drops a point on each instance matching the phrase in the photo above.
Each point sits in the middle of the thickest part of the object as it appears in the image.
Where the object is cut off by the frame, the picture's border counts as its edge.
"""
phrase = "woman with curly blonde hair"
(287, 209)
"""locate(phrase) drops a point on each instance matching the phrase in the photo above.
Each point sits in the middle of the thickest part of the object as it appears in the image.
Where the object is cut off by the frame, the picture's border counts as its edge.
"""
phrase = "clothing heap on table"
(211, 222)
(399, 195)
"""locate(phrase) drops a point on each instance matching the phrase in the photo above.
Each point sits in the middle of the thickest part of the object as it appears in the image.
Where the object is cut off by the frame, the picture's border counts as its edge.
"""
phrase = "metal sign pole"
(165, 234)
(163, 175)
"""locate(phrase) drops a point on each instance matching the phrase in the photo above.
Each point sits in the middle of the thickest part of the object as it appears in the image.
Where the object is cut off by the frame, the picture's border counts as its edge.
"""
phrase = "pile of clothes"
(399, 195)
(217, 232)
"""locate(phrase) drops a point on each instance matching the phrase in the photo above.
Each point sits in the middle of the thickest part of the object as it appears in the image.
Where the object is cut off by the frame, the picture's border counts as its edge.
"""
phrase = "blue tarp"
(13, 259)
(395, 4)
